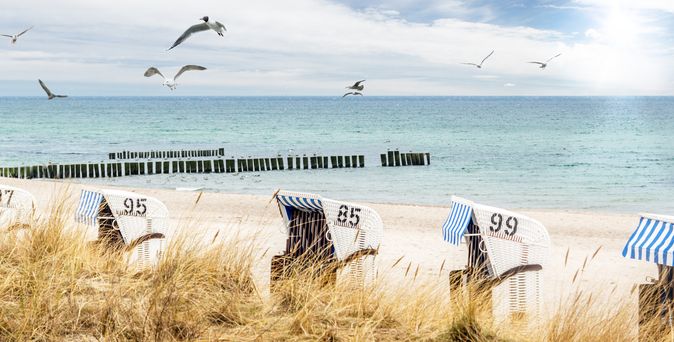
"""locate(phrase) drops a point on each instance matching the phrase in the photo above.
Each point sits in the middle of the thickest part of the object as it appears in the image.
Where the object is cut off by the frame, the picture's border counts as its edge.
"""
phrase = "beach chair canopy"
(17, 206)
(653, 240)
(509, 239)
(351, 227)
(135, 214)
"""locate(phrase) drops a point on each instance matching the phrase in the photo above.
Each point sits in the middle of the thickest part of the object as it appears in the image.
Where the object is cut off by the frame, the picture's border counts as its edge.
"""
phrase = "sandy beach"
(411, 232)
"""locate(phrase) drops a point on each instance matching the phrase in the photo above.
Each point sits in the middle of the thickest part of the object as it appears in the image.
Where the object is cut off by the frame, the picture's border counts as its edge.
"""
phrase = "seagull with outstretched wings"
(171, 82)
(15, 37)
(357, 86)
(207, 24)
(479, 66)
(50, 95)
(543, 65)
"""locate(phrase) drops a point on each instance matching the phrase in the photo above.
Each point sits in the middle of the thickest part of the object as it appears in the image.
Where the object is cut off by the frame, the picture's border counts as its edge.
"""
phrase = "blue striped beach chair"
(653, 241)
(126, 220)
(333, 234)
(17, 207)
(506, 254)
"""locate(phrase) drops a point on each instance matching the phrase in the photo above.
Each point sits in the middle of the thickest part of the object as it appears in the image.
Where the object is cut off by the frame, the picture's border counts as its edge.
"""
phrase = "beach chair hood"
(652, 240)
(351, 227)
(510, 239)
(17, 206)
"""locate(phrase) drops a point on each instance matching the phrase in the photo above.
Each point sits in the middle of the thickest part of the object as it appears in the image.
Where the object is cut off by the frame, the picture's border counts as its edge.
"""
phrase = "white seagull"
(171, 82)
(206, 25)
(543, 65)
(479, 66)
(353, 93)
(16, 36)
(49, 93)
(357, 86)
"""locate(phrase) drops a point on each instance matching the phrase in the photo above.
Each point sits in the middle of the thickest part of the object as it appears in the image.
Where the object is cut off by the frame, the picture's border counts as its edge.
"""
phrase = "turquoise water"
(602, 153)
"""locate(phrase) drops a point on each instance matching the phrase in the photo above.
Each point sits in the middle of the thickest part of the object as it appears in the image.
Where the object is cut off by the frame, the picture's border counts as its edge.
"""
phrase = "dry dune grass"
(54, 287)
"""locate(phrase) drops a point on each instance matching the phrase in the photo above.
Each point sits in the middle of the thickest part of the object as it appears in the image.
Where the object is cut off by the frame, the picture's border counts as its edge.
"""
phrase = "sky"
(317, 47)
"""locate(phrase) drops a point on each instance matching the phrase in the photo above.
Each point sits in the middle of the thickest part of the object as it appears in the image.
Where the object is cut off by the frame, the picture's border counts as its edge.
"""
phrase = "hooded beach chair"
(506, 254)
(653, 241)
(329, 234)
(126, 220)
(17, 207)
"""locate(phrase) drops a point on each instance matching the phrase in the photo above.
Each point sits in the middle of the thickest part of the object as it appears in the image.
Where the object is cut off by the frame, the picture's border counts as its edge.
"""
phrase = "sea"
(613, 154)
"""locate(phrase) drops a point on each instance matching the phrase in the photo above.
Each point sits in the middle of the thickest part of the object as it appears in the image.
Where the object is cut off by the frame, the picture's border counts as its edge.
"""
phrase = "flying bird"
(353, 93)
(543, 65)
(171, 82)
(479, 66)
(357, 86)
(16, 36)
(206, 25)
(49, 93)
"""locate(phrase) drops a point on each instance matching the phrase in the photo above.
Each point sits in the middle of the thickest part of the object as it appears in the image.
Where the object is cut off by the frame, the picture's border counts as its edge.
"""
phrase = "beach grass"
(55, 286)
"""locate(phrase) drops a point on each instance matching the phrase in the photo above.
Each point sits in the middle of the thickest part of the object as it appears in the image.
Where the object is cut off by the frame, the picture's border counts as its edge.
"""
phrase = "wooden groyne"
(167, 154)
(395, 158)
(109, 169)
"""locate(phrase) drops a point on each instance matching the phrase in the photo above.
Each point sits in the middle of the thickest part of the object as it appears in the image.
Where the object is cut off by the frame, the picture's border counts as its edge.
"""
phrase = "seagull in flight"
(479, 66)
(357, 86)
(15, 37)
(543, 65)
(171, 82)
(205, 26)
(352, 93)
(49, 93)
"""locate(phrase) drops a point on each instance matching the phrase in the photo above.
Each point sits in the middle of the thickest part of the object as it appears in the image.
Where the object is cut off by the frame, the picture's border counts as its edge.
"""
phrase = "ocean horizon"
(561, 152)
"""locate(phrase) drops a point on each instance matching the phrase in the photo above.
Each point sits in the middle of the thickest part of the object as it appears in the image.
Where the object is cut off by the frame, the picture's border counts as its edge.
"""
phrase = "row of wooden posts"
(172, 154)
(395, 158)
(133, 168)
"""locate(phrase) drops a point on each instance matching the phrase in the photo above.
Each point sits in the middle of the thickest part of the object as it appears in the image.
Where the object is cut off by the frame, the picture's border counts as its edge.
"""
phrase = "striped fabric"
(301, 203)
(653, 241)
(87, 210)
(457, 223)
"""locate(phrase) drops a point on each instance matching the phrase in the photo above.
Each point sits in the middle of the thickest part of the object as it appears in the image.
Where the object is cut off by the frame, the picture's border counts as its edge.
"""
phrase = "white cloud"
(509, 85)
(310, 47)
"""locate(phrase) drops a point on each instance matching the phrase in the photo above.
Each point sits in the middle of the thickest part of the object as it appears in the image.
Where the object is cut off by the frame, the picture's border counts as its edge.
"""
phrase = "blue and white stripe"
(457, 223)
(87, 210)
(653, 241)
(301, 203)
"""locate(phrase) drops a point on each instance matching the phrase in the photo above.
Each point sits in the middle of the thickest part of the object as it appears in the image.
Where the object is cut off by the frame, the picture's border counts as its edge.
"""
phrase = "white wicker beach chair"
(17, 207)
(128, 220)
(329, 231)
(506, 252)
(653, 241)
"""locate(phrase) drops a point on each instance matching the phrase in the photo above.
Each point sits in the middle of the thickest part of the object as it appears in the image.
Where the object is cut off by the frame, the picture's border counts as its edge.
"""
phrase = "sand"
(410, 231)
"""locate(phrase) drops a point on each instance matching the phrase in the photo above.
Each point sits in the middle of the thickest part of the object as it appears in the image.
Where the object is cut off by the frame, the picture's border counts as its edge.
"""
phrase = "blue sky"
(317, 47)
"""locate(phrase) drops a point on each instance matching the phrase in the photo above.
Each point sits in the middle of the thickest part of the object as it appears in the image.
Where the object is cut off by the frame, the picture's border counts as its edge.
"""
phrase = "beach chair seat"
(653, 241)
(506, 255)
(125, 220)
(338, 239)
(17, 208)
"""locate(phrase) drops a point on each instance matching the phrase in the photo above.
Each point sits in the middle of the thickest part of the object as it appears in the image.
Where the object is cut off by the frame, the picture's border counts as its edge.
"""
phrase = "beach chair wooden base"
(284, 267)
(656, 306)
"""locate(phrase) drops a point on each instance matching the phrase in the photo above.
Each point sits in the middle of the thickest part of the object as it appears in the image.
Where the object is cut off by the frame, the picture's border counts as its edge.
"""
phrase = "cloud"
(311, 47)
(509, 85)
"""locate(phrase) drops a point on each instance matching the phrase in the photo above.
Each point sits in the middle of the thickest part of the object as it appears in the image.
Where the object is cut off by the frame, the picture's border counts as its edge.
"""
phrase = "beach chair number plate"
(6, 194)
(348, 216)
(497, 223)
(134, 208)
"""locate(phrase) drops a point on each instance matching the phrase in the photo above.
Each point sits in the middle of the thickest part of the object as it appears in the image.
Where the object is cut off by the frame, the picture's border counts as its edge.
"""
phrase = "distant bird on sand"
(49, 93)
(357, 86)
(353, 93)
(206, 25)
(16, 36)
(479, 66)
(171, 82)
(543, 65)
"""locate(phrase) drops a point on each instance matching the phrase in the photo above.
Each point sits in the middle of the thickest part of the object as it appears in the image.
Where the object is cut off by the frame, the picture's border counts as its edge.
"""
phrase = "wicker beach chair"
(653, 241)
(506, 254)
(339, 239)
(17, 207)
(128, 221)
